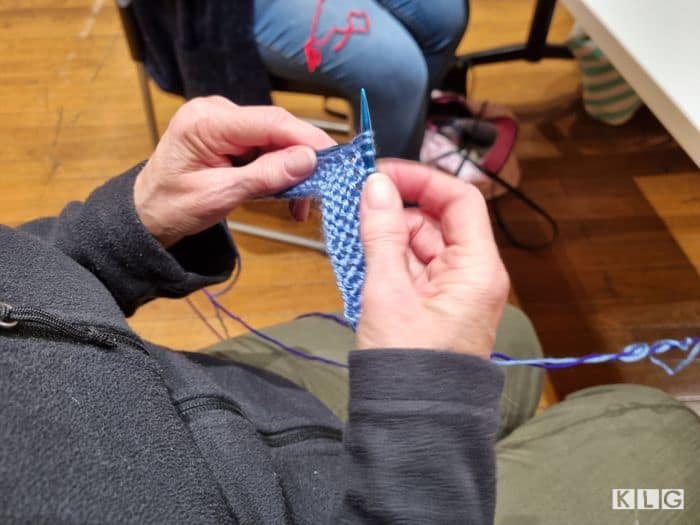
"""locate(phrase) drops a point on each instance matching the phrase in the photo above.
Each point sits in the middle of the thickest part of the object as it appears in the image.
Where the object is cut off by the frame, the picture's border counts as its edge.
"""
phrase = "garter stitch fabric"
(337, 182)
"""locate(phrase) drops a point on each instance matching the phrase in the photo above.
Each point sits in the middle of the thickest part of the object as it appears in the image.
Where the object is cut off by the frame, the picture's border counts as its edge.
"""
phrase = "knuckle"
(190, 116)
(383, 236)
(279, 116)
(218, 99)
(472, 194)
(271, 167)
(260, 177)
(263, 181)
(194, 106)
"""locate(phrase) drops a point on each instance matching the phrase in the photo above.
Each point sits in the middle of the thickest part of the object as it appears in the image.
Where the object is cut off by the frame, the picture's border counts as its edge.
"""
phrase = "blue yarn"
(630, 354)
(337, 182)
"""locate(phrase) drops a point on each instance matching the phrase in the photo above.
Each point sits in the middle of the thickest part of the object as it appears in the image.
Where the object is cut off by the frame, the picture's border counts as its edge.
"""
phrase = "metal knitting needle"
(366, 125)
(365, 120)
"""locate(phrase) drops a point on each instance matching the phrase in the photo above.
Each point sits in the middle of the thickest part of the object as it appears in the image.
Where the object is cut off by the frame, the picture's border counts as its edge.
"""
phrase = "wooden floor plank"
(676, 199)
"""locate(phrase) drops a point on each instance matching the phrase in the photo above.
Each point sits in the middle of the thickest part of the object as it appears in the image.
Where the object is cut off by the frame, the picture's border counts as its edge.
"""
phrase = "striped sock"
(607, 97)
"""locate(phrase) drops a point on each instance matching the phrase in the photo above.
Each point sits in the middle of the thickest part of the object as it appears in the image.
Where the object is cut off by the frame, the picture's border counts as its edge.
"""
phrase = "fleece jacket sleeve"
(420, 438)
(105, 235)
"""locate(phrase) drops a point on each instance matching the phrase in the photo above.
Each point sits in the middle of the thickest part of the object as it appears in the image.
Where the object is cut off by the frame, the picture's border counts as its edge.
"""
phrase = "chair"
(135, 42)
(535, 49)
(136, 49)
(295, 86)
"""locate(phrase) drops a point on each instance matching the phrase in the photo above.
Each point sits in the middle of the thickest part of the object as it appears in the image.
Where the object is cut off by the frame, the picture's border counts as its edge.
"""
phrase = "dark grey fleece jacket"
(98, 427)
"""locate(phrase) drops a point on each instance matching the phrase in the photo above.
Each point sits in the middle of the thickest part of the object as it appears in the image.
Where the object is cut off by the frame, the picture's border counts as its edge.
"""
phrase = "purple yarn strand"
(203, 319)
(633, 352)
(330, 317)
(269, 339)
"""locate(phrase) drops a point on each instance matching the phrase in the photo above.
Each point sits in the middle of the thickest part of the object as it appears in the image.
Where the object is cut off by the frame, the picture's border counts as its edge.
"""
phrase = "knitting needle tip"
(365, 121)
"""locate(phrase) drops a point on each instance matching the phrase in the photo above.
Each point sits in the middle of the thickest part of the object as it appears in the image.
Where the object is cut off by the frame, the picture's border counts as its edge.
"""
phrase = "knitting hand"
(434, 276)
(189, 183)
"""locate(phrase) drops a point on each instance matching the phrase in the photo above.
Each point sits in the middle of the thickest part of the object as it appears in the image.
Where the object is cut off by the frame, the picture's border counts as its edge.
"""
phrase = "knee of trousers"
(617, 393)
(516, 326)
(444, 24)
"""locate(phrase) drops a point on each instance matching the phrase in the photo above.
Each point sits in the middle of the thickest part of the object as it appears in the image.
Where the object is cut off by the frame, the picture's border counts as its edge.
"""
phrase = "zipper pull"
(5, 312)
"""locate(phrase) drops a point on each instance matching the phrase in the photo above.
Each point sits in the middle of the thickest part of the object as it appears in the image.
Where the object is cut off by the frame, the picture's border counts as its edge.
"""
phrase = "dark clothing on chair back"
(194, 48)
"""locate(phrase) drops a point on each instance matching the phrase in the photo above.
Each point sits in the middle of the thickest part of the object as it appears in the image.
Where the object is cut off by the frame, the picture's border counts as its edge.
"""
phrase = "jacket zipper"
(11, 318)
(283, 438)
(192, 407)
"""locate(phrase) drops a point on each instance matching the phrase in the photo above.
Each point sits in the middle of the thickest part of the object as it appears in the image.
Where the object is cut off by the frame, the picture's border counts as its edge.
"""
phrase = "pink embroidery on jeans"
(313, 45)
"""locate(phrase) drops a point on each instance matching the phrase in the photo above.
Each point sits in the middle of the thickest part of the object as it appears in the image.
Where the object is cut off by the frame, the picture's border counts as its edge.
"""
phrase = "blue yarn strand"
(630, 354)
(295, 352)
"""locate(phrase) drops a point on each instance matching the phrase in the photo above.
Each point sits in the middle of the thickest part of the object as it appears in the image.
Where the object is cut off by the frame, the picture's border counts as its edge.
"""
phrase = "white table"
(655, 45)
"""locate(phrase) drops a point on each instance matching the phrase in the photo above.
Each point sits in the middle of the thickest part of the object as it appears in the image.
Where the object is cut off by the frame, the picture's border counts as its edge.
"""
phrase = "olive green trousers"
(558, 468)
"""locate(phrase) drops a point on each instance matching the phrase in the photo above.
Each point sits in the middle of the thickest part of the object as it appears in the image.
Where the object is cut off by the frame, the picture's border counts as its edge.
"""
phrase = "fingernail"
(300, 161)
(380, 192)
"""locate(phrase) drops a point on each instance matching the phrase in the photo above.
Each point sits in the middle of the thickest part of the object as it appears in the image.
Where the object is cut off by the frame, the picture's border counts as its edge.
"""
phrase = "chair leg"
(327, 125)
(148, 104)
(274, 235)
(346, 127)
(535, 49)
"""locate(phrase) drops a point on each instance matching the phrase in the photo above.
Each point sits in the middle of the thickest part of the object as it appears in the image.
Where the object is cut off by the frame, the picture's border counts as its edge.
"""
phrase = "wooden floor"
(627, 199)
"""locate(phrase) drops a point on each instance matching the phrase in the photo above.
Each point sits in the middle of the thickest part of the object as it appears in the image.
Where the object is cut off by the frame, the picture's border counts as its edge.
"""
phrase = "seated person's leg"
(387, 62)
(312, 335)
(438, 27)
(522, 388)
(561, 466)
(326, 338)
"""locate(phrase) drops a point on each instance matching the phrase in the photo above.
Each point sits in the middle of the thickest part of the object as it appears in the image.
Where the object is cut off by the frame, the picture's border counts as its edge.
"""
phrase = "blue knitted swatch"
(337, 182)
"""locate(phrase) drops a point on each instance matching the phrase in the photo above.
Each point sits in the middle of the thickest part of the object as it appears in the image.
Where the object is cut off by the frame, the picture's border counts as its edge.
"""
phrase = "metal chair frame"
(135, 42)
(535, 49)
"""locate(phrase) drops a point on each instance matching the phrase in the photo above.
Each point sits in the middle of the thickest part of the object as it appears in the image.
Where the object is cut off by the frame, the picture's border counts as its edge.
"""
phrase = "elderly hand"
(434, 277)
(189, 183)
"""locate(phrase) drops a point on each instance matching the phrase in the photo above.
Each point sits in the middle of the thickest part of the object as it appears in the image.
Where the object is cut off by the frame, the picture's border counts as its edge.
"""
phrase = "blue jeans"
(403, 57)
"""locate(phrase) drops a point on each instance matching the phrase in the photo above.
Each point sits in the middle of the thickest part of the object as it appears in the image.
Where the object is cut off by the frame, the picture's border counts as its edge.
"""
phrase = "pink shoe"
(475, 141)
(472, 141)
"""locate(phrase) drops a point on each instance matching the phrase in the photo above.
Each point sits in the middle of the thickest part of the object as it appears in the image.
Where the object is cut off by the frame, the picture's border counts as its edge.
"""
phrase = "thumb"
(273, 172)
(383, 229)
